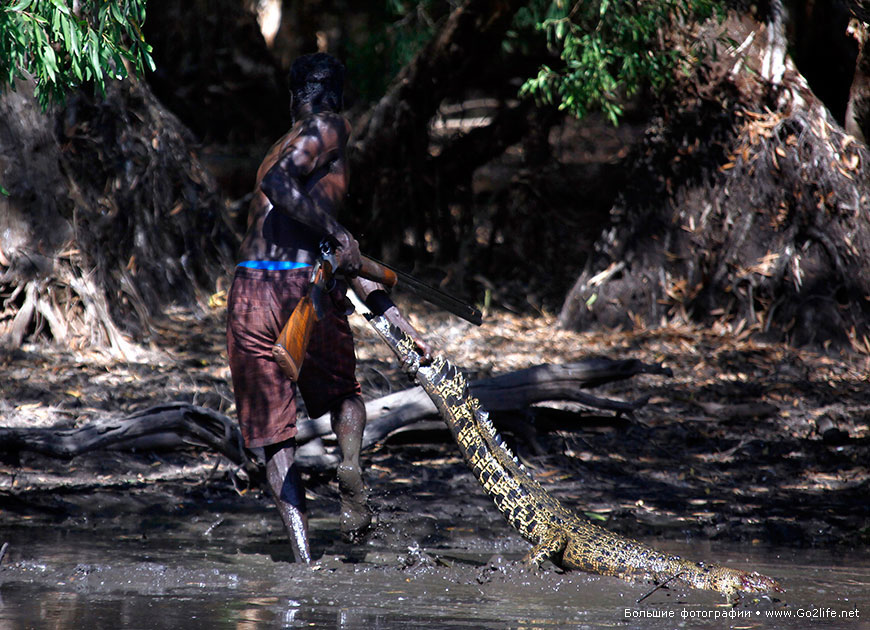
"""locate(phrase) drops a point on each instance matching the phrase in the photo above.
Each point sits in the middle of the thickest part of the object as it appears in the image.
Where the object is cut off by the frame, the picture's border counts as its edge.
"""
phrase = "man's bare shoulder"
(325, 122)
(310, 137)
(324, 131)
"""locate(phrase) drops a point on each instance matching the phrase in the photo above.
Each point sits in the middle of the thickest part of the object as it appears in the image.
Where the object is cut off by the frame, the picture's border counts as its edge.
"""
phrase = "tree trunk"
(110, 217)
(216, 73)
(747, 210)
(858, 108)
(395, 186)
(822, 49)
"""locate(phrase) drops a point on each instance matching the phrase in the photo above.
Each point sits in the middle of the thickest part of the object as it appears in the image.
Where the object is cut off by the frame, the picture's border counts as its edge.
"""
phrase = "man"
(301, 186)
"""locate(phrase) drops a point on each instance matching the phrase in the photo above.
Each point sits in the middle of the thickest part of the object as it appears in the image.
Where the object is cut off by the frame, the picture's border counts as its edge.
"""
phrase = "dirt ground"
(749, 441)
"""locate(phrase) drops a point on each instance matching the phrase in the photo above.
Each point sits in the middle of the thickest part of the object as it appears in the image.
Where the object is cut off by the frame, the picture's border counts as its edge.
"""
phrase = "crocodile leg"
(551, 545)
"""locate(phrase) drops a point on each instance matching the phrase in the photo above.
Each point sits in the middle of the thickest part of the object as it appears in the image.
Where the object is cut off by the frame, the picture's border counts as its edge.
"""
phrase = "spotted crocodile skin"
(556, 533)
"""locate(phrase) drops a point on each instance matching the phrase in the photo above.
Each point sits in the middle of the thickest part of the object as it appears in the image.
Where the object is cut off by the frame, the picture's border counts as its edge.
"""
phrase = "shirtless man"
(301, 186)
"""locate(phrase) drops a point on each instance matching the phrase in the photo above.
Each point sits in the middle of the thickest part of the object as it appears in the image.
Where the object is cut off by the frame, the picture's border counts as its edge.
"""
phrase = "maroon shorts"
(259, 304)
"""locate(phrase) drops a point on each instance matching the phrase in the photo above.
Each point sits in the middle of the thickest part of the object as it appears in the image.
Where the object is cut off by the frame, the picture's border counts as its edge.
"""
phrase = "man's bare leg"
(348, 423)
(285, 486)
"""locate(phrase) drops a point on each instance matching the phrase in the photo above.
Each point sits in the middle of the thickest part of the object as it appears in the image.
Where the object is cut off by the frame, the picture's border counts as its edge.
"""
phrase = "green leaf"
(67, 35)
(55, 21)
(116, 13)
(94, 51)
(60, 5)
(50, 61)
(595, 516)
(149, 60)
(23, 4)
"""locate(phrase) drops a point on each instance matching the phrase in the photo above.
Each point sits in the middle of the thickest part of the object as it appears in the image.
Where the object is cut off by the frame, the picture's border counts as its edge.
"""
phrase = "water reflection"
(83, 583)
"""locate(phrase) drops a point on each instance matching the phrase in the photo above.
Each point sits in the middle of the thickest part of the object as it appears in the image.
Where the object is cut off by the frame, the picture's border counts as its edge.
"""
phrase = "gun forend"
(375, 271)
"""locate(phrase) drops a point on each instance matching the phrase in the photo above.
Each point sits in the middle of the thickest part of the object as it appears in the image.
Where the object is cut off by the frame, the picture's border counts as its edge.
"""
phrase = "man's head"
(317, 81)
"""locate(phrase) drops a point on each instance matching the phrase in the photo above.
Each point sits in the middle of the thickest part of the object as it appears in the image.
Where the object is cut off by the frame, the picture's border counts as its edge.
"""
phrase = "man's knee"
(350, 408)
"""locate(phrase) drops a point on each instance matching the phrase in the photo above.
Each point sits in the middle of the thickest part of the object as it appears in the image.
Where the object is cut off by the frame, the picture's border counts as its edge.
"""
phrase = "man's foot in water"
(356, 515)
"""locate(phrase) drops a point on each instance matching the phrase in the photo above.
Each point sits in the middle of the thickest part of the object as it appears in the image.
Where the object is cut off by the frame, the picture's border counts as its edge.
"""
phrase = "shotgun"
(289, 349)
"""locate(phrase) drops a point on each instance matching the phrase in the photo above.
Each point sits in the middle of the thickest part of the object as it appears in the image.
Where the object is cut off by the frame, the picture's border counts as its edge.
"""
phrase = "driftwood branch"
(178, 425)
(173, 425)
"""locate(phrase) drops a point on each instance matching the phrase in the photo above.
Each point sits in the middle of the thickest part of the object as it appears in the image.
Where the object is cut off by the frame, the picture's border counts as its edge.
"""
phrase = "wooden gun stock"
(289, 349)
(292, 343)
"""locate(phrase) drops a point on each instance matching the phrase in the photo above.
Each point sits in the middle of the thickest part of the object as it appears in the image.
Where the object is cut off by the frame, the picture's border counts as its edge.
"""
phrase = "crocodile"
(567, 539)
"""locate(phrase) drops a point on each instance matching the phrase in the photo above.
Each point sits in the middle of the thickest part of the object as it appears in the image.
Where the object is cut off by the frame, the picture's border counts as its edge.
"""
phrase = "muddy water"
(233, 574)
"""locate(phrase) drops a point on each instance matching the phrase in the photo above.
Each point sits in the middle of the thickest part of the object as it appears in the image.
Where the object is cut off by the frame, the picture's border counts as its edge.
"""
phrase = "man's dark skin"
(301, 187)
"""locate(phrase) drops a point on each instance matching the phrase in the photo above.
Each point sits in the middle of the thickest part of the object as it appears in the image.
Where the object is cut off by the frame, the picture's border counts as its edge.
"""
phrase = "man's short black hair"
(318, 79)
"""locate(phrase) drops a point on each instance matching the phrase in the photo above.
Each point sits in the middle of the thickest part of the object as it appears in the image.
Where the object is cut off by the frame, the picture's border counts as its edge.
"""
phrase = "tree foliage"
(63, 44)
(609, 49)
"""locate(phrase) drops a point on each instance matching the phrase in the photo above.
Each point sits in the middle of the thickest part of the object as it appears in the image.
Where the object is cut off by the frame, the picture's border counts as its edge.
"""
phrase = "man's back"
(309, 161)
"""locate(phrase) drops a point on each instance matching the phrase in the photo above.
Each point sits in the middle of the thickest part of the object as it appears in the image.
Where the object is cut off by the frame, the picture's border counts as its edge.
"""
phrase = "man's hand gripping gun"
(289, 349)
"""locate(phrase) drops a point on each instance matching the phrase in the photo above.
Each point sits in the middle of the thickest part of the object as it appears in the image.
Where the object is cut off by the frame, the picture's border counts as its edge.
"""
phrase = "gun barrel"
(427, 292)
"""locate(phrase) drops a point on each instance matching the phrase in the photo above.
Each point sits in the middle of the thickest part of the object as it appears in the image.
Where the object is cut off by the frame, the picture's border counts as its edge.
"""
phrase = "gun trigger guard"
(314, 270)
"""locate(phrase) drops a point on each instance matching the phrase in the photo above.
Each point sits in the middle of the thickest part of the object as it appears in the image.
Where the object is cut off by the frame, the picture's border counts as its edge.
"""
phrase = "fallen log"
(518, 390)
(179, 425)
(513, 391)
(171, 425)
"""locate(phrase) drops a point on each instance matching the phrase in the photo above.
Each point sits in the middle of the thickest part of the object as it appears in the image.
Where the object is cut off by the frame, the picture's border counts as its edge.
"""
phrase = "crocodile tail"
(494, 466)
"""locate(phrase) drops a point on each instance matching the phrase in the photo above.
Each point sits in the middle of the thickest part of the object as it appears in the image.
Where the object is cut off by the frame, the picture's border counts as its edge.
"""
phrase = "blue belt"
(273, 265)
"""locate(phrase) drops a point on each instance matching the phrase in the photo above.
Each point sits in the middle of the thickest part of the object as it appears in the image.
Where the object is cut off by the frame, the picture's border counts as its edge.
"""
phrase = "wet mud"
(233, 570)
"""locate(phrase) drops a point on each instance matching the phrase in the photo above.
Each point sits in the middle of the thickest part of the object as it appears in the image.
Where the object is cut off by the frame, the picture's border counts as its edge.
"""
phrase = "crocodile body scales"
(555, 532)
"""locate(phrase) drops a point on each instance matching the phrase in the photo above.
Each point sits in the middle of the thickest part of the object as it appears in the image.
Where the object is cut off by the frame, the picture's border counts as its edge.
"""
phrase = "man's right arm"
(375, 297)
